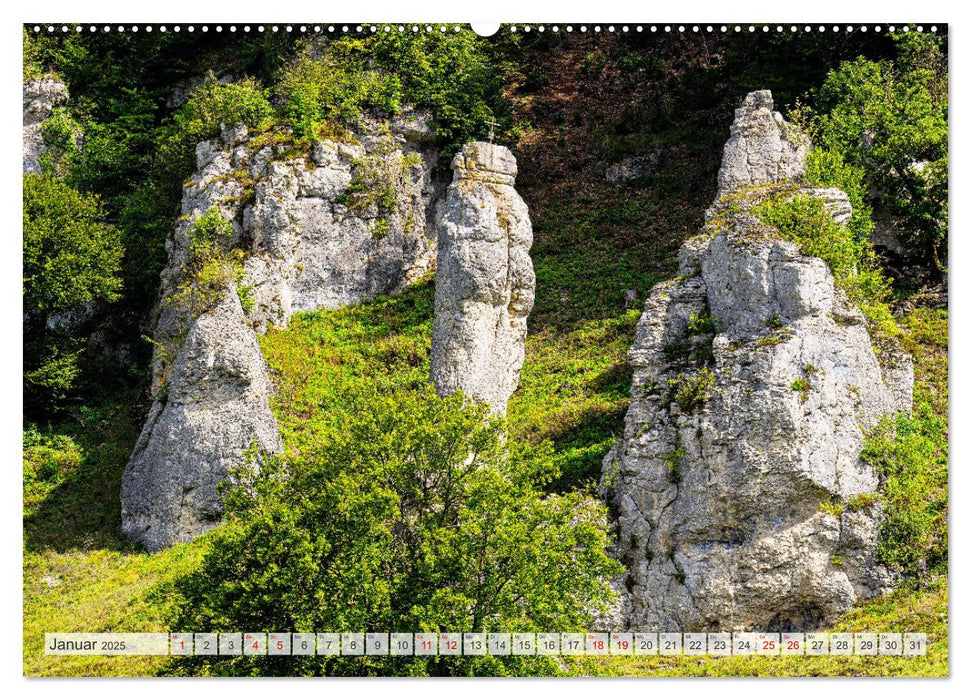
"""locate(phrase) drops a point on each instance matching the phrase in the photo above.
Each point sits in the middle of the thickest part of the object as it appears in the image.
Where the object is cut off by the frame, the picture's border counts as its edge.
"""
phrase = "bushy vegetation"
(71, 261)
(889, 118)
(414, 514)
(61, 135)
(346, 532)
(336, 87)
(207, 107)
(447, 73)
(911, 454)
(829, 169)
(71, 257)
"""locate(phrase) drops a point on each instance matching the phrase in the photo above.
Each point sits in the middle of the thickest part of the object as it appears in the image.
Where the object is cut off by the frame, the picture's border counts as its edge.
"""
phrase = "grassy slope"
(593, 241)
(80, 573)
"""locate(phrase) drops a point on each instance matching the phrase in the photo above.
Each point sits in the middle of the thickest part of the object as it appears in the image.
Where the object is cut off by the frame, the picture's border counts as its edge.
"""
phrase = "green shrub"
(146, 220)
(833, 508)
(691, 392)
(862, 501)
(890, 119)
(413, 514)
(673, 459)
(32, 68)
(213, 103)
(71, 259)
(209, 228)
(830, 169)
(211, 269)
(208, 106)
(247, 298)
(802, 386)
(911, 454)
(51, 369)
(335, 87)
(452, 75)
(70, 256)
(703, 323)
(805, 221)
(374, 182)
(61, 134)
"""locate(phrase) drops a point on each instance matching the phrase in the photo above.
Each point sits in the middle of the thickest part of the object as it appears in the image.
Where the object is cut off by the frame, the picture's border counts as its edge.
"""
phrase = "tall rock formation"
(215, 408)
(40, 97)
(265, 231)
(485, 284)
(742, 500)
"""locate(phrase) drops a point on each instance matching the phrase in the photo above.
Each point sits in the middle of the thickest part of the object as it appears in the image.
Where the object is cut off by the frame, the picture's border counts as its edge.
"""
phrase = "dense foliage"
(71, 257)
(414, 514)
(71, 261)
(890, 119)
(447, 73)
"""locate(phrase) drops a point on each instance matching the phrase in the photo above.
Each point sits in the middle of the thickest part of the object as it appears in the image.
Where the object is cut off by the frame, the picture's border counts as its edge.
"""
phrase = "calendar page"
(517, 349)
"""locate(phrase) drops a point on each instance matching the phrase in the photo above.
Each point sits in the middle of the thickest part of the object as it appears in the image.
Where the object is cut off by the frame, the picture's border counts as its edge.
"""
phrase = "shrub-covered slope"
(570, 108)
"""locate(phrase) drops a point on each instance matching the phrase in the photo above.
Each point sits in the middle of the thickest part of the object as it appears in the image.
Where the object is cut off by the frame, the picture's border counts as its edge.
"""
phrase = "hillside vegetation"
(569, 107)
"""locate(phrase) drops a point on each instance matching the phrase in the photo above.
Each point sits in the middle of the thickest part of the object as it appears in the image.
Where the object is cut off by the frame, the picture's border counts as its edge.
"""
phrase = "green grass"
(591, 247)
(574, 388)
(98, 590)
(905, 610)
(80, 573)
(71, 465)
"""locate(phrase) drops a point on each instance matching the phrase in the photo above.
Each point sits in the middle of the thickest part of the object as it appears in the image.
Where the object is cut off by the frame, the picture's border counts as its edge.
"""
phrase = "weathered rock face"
(354, 220)
(485, 283)
(763, 148)
(351, 220)
(742, 500)
(216, 407)
(40, 97)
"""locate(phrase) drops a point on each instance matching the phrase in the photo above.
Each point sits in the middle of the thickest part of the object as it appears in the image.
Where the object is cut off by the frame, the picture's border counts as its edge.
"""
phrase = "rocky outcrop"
(763, 148)
(485, 284)
(40, 98)
(215, 408)
(742, 500)
(632, 168)
(346, 221)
